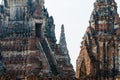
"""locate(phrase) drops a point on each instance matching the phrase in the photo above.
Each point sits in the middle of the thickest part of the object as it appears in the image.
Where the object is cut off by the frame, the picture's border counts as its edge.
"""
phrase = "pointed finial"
(62, 36)
(63, 45)
(62, 28)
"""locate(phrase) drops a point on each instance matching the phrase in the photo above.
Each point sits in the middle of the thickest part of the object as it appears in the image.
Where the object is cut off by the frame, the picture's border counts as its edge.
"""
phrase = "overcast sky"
(74, 14)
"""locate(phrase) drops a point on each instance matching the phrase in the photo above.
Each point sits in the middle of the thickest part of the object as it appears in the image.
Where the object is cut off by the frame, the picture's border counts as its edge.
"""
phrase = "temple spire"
(62, 37)
(63, 45)
(94, 57)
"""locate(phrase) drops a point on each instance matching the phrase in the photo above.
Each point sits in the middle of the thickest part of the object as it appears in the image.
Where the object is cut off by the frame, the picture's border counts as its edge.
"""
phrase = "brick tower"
(99, 57)
(28, 48)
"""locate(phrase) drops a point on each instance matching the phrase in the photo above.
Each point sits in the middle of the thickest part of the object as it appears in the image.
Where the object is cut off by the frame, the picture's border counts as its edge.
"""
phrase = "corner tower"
(63, 44)
(99, 55)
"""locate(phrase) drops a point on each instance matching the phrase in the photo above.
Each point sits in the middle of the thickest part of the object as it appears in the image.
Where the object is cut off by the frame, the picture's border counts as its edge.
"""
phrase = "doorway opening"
(38, 30)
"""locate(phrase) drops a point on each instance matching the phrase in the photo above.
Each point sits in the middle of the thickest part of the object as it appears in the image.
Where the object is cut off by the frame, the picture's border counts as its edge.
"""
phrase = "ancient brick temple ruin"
(99, 57)
(28, 47)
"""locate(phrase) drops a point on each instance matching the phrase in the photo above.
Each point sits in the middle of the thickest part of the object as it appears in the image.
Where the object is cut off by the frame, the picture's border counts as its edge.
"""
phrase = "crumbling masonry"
(28, 43)
(99, 57)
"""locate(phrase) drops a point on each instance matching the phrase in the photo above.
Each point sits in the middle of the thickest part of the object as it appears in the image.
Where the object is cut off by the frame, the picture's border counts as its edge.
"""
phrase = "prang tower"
(99, 57)
(28, 43)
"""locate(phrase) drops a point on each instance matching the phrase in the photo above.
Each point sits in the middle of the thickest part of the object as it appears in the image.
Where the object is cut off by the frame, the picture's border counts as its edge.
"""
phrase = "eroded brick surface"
(99, 57)
(28, 47)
